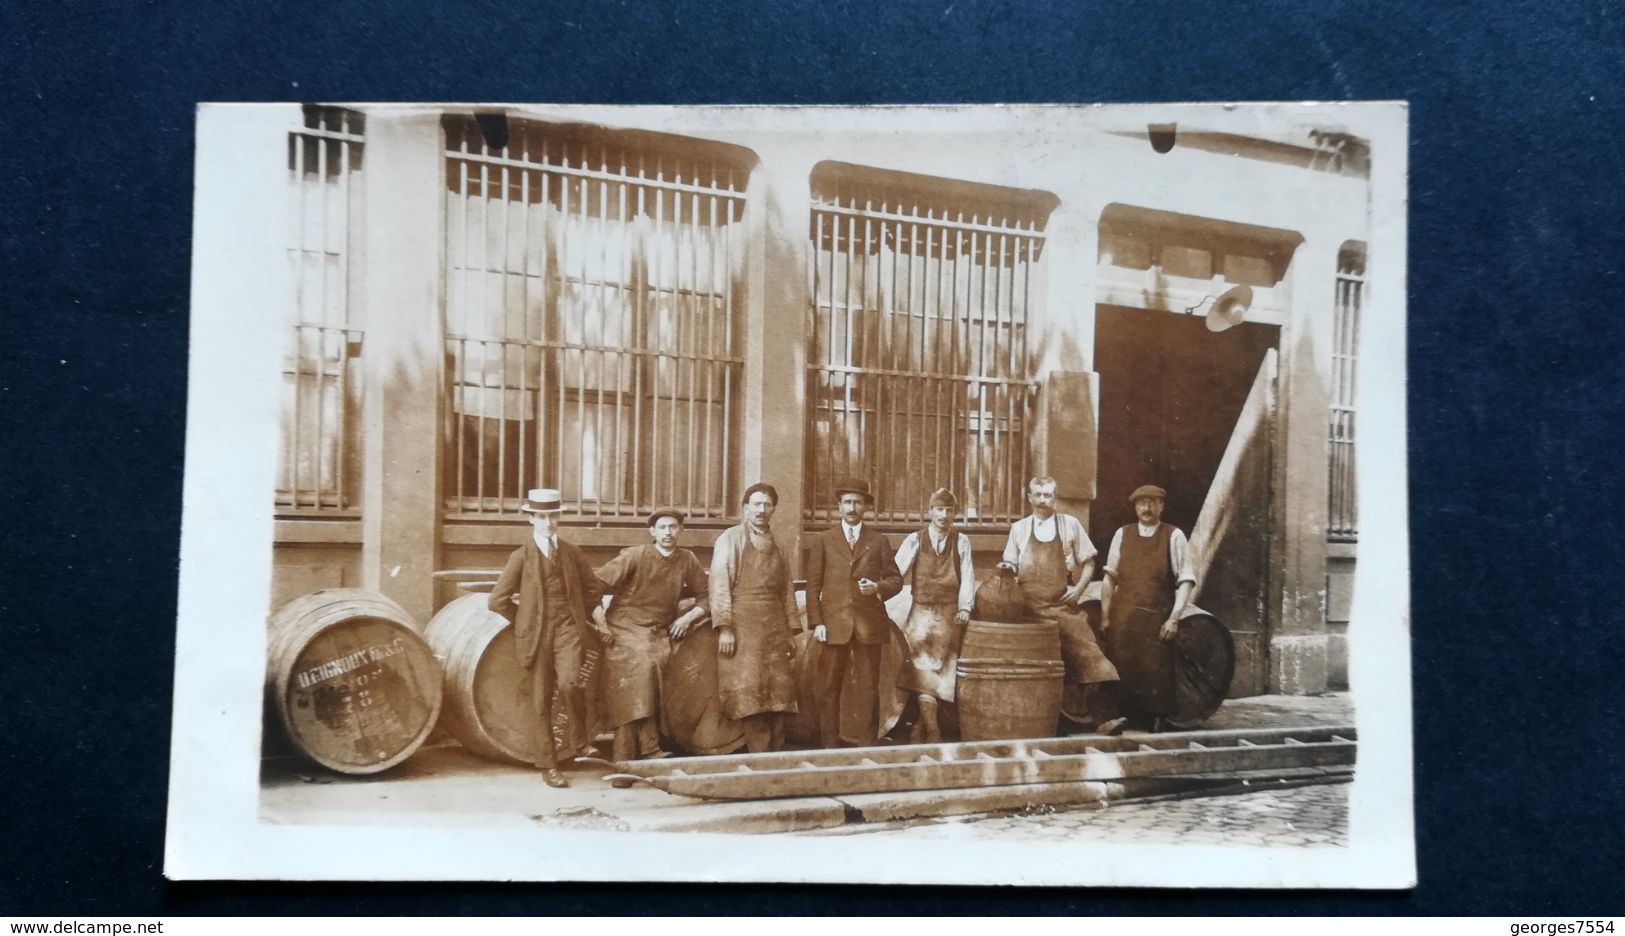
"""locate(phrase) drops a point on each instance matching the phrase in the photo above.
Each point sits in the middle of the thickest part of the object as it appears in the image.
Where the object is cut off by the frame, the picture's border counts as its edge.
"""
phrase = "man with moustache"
(850, 574)
(647, 583)
(936, 564)
(1149, 582)
(1054, 561)
(545, 590)
(753, 608)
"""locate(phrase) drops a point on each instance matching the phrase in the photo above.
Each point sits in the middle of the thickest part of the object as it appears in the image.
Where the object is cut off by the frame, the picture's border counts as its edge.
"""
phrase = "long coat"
(833, 600)
(523, 574)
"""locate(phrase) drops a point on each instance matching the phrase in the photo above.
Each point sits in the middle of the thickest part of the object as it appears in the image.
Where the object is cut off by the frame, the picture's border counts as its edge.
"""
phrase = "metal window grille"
(591, 340)
(918, 373)
(1342, 520)
(320, 387)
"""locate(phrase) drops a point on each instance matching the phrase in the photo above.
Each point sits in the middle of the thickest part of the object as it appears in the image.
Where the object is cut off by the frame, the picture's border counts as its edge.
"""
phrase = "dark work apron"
(1143, 598)
(757, 677)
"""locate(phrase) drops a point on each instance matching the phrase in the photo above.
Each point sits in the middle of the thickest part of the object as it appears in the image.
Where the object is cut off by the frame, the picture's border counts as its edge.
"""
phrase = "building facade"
(661, 306)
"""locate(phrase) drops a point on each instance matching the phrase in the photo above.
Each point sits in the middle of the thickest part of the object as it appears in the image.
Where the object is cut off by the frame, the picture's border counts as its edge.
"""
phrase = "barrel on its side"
(352, 682)
(1204, 664)
(490, 708)
(1009, 680)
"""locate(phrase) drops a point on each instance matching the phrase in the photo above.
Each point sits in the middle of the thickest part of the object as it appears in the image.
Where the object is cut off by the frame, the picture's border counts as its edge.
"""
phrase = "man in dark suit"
(546, 590)
(850, 573)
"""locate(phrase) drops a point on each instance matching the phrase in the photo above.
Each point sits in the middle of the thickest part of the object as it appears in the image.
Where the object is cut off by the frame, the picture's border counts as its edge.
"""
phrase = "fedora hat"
(854, 486)
(542, 500)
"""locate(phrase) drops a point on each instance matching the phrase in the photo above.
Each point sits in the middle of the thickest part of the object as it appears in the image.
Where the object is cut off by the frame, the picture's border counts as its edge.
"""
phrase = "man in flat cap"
(1149, 581)
(936, 565)
(545, 590)
(753, 608)
(850, 573)
(1054, 562)
(647, 583)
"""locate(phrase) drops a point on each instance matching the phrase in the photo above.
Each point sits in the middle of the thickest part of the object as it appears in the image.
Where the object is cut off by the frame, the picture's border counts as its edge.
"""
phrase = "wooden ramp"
(990, 763)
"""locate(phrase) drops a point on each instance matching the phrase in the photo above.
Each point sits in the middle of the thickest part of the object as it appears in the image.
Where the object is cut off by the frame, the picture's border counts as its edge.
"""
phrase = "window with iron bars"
(591, 338)
(922, 292)
(1342, 517)
(317, 468)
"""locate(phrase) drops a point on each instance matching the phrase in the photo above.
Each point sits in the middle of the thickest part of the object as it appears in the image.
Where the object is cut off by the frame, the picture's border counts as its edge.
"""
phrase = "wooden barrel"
(353, 684)
(1028, 640)
(1009, 680)
(1001, 699)
(489, 704)
(1204, 664)
(691, 712)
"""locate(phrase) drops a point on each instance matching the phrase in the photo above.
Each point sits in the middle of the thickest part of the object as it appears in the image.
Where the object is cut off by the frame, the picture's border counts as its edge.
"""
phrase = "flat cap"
(1147, 490)
(671, 512)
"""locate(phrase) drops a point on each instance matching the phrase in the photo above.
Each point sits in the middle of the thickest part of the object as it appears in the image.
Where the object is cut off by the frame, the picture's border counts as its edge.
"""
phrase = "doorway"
(1170, 394)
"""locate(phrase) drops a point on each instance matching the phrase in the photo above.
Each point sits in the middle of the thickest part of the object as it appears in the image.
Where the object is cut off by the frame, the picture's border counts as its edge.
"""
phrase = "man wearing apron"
(1149, 581)
(936, 563)
(648, 582)
(753, 607)
(1054, 561)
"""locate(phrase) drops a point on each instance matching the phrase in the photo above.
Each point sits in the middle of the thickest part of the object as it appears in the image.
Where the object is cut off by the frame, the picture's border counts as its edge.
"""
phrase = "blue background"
(1515, 351)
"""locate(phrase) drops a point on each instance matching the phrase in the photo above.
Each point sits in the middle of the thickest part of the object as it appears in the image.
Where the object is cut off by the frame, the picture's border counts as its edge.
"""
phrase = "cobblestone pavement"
(1309, 816)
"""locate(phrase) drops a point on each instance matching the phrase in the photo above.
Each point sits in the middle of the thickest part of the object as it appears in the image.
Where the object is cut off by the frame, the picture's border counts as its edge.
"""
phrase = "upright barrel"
(489, 705)
(1009, 680)
(352, 682)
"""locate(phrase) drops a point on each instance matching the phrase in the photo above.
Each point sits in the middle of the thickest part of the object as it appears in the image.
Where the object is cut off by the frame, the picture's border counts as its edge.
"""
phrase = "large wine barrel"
(691, 711)
(353, 684)
(489, 705)
(1009, 680)
(1204, 664)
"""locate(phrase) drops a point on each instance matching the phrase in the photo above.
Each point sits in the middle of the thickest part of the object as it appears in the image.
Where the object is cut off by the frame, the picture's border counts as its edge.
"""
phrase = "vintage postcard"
(968, 495)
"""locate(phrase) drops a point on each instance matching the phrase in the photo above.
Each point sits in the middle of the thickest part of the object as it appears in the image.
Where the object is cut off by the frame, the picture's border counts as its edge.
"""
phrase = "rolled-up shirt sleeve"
(1179, 557)
(1114, 554)
(1081, 546)
(906, 553)
(967, 576)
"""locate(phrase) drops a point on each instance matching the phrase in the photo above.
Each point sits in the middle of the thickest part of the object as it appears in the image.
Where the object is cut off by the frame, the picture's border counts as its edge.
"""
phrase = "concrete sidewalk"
(447, 786)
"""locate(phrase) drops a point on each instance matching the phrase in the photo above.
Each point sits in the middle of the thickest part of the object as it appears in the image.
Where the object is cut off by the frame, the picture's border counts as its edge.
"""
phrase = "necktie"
(851, 536)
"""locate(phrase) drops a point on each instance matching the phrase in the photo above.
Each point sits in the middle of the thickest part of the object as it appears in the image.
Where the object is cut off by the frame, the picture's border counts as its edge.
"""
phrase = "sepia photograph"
(903, 494)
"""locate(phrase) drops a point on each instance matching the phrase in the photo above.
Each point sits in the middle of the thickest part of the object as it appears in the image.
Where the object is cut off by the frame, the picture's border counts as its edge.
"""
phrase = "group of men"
(658, 592)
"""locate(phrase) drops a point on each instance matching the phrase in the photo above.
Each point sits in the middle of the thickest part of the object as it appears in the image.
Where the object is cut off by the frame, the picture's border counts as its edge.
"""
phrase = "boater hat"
(671, 512)
(1147, 490)
(854, 486)
(542, 500)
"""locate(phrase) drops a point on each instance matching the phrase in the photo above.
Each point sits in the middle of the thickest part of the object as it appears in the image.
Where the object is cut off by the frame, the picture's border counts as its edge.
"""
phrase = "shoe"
(552, 777)
(621, 783)
(1114, 726)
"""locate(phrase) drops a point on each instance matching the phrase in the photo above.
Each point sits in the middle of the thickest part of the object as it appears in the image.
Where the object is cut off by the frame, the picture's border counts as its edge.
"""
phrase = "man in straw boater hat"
(546, 589)
(1149, 581)
(936, 563)
(1054, 562)
(647, 583)
(850, 573)
(753, 608)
